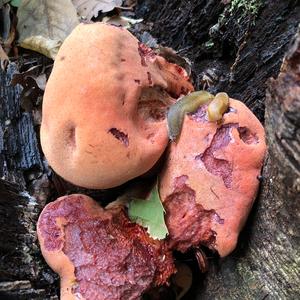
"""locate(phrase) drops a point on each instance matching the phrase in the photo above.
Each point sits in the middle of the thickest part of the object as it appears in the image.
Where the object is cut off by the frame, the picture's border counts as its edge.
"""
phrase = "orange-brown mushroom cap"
(104, 106)
(98, 253)
(210, 179)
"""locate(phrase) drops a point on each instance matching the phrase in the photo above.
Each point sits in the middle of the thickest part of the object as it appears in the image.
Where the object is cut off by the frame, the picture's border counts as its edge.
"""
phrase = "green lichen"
(209, 44)
(241, 9)
(247, 7)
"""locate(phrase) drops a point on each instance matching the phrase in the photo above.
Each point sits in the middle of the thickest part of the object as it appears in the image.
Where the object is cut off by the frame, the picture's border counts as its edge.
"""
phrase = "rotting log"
(232, 49)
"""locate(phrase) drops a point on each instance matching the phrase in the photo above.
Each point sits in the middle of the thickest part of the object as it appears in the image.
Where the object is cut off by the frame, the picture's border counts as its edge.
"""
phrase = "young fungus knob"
(104, 106)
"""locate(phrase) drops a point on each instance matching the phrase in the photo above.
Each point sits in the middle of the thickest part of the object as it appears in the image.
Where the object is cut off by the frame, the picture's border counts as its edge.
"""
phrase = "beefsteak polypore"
(104, 106)
(210, 179)
(98, 253)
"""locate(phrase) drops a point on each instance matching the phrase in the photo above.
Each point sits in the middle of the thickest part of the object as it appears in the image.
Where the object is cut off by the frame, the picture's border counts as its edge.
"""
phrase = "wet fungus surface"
(218, 166)
(188, 222)
(98, 253)
(106, 98)
(210, 179)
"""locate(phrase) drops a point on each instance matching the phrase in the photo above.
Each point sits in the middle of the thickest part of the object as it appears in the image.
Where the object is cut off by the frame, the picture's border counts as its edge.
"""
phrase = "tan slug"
(189, 104)
(217, 107)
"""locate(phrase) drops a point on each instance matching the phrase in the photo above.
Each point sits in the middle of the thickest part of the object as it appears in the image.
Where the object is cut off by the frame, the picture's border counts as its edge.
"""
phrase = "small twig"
(4, 60)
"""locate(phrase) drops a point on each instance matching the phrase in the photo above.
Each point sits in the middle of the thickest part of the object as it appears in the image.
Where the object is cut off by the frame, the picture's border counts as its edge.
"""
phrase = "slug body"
(217, 107)
(187, 104)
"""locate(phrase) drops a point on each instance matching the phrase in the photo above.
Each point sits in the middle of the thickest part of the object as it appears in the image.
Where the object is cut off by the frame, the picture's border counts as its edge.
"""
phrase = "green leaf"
(149, 213)
(15, 3)
(43, 25)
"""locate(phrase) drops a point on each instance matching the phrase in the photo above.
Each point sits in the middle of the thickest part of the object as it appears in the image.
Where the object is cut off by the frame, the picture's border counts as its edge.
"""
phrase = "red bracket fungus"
(98, 253)
(210, 179)
(104, 107)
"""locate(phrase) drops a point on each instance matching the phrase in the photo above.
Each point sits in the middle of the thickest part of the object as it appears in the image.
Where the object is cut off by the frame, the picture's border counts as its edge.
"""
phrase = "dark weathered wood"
(23, 273)
(20, 150)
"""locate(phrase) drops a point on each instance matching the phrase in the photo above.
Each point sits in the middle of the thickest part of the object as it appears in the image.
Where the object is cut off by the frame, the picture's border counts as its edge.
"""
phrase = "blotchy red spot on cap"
(70, 209)
(216, 166)
(188, 222)
(119, 135)
(181, 71)
(247, 136)
(113, 257)
(145, 52)
(200, 114)
(180, 181)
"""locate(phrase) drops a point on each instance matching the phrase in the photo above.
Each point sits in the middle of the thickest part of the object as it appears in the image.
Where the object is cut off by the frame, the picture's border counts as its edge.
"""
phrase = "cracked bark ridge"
(18, 143)
(266, 265)
(23, 274)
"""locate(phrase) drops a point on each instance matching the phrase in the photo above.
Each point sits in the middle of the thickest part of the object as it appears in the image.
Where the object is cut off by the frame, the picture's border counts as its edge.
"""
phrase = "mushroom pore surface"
(98, 253)
(104, 106)
(210, 179)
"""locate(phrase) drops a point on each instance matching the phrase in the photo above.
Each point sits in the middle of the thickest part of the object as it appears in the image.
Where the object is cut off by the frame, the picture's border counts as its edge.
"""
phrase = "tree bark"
(233, 48)
(24, 188)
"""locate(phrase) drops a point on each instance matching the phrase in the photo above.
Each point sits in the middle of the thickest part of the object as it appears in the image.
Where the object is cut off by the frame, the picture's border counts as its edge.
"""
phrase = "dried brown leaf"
(121, 21)
(182, 280)
(8, 23)
(43, 25)
(88, 9)
(33, 83)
